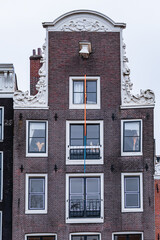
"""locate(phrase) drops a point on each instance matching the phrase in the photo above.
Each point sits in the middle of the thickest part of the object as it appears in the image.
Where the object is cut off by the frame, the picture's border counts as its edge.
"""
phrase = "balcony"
(77, 152)
(85, 208)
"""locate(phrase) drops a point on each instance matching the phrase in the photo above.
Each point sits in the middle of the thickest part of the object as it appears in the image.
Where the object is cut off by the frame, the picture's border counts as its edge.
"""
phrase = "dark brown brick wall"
(64, 61)
(6, 146)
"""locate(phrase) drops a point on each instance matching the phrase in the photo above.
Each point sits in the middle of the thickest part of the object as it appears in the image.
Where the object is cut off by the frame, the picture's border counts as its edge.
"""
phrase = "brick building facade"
(7, 88)
(57, 194)
(157, 197)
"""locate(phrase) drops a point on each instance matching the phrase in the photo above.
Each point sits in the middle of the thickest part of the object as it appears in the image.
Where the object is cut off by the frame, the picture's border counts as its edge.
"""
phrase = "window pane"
(128, 237)
(37, 129)
(78, 98)
(78, 238)
(37, 137)
(76, 142)
(93, 131)
(91, 86)
(91, 98)
(132, 200)
(132, 144)
(37, 185)
(76, 185)
(76, 131)
(132, 136)
(132, 184)
(92, 185)
(37, 201)
(33, 238)
(92, 237)
(132, 128)
(0, 115)
(78, 86)
(78, 92)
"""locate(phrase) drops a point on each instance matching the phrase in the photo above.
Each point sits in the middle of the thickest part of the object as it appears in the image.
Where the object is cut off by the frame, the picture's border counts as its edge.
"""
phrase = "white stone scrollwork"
(85, 24)
(145, 98)
(24, 100)
(157, 169)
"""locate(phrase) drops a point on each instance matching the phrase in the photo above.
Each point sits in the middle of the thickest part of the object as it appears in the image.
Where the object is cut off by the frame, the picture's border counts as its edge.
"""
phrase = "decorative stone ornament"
(146, 98)
(157, 170)
(85, 49)
(84, 21)
(7, 79)
(24, 100)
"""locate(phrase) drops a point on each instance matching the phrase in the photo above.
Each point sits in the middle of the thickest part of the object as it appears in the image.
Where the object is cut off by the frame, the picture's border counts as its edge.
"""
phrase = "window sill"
(131, 210)
(36, 212)
(131, 154)
(36, 154)
(87, 162)
(85, 220)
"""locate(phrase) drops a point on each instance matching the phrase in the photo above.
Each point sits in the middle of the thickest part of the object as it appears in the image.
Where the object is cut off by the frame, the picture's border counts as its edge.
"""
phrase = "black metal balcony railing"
(91, 152)
(84, 208)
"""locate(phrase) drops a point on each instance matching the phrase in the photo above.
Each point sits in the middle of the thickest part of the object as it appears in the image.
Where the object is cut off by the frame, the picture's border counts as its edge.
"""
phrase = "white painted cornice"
(84, 20)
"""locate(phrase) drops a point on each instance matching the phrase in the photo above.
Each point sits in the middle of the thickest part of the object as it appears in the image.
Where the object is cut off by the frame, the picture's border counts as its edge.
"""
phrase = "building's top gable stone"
(84, 20)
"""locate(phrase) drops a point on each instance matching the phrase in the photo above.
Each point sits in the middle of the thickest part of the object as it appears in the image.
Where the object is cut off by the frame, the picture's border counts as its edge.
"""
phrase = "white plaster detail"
(24, 100)
(157, 170)
(7, 79)
(145, 98)
(84, 20)
(86, 25)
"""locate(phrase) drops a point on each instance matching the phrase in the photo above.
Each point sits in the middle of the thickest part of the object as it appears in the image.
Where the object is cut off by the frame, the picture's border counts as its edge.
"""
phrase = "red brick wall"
(157, 208)
(34, 76)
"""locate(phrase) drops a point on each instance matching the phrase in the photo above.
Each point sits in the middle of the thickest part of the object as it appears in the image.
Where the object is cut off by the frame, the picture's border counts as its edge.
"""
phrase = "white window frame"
(123, 209)
(122, 131)
(125, 233)
(1, 196)
(85, 220)
(40, 235)
(81, 161)
(81, 106)
(84, 233)
(38, 211)
(27, 147)
(1, 139)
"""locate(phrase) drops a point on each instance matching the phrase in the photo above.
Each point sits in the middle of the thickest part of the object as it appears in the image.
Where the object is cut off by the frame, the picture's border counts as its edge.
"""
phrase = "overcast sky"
(21, 31)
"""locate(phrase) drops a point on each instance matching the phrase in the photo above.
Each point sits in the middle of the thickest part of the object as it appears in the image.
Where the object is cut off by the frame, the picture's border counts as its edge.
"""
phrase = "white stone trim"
(85, 220)
(40, 235)
(81, 106)
(121, 233)
(90, 161)
(157, 171)
(84, 233)
(36, 175)
(131, 153)
(1, 199)
(84, 20)
(123, 175)
(2, 139)
(36, 154)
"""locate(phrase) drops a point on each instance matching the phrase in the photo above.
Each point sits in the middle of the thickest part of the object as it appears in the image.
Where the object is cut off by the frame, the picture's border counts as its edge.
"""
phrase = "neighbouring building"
(157, 197)
(7, 87)
(77, 179)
